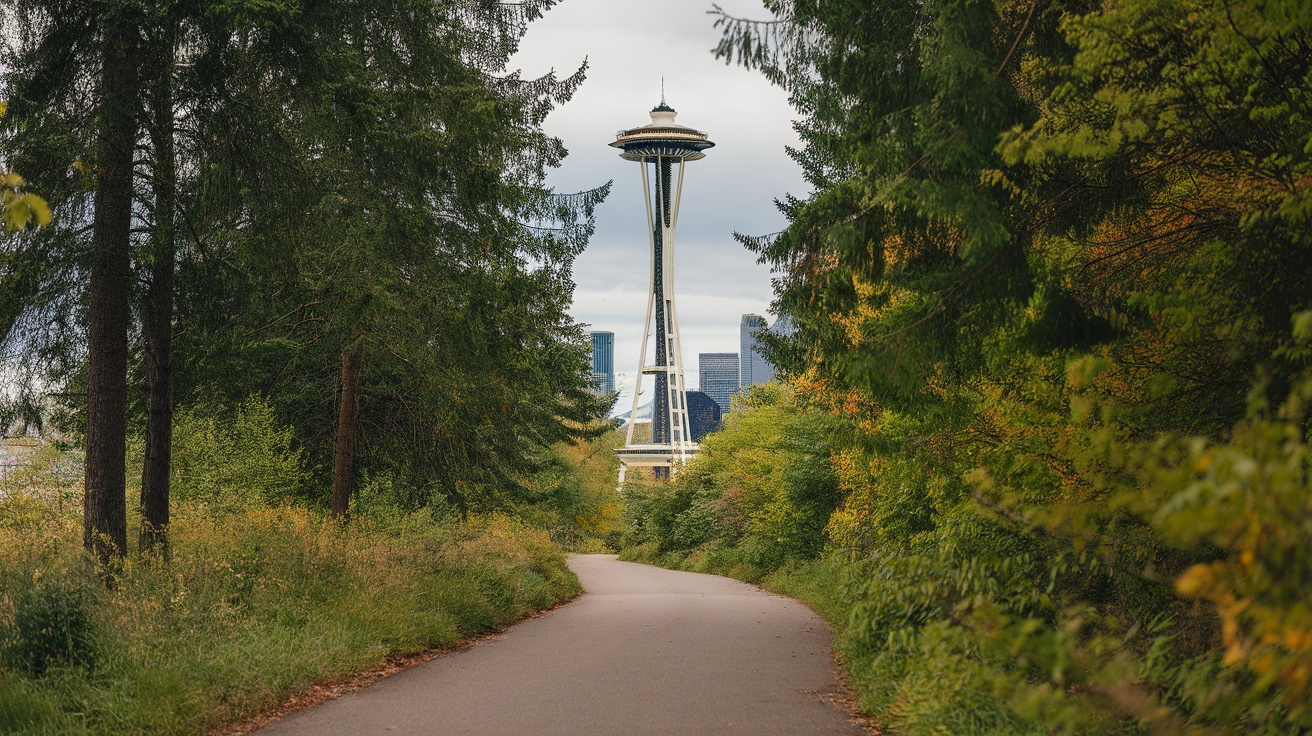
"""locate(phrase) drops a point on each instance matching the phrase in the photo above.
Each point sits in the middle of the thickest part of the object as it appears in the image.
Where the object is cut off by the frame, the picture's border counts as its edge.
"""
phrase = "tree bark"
(104, 528)
(158, 315)
(344, 452)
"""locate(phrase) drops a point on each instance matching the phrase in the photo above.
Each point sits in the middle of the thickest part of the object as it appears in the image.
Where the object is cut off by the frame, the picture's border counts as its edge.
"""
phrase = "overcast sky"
(629, 44)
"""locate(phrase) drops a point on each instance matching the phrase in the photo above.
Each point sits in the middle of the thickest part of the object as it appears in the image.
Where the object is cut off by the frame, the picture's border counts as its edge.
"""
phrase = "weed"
(52, 625)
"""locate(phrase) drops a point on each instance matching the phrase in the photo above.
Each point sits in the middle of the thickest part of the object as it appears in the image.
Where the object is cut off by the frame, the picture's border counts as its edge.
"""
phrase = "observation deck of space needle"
(662, 147)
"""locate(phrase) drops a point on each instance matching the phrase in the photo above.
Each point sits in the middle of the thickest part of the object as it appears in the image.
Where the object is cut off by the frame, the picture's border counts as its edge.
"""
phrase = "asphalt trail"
(642, 651)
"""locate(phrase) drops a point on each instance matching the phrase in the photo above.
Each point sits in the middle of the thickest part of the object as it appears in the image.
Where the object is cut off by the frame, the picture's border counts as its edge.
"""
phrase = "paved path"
(642, 651)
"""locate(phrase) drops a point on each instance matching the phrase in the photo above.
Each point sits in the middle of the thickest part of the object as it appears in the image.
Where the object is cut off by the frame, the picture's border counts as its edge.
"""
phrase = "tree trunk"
(344, 453)
(104, 528)
(158, 316)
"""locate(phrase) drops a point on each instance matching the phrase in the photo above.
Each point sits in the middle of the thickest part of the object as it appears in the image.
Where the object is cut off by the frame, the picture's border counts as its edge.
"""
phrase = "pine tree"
(327, 180)
(109, 310)
(157, 309)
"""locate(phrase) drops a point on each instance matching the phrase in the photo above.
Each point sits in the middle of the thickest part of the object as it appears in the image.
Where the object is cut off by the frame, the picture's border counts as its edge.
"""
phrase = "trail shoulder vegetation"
(259, 599)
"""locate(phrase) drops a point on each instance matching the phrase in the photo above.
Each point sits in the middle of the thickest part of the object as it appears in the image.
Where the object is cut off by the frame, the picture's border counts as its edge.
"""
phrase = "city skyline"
(624, 379)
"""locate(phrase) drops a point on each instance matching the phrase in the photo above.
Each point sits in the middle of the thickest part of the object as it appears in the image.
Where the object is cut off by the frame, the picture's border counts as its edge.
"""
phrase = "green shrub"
(236, 460)
(759, 495)
(254, 603)
(52, 626)
(251, 607)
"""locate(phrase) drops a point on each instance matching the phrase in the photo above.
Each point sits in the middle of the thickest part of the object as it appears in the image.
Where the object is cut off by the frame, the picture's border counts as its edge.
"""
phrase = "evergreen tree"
(330, 181)
(1055, 268)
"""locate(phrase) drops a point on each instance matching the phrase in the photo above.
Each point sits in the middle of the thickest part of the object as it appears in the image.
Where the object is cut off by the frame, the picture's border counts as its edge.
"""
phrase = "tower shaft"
(670, 403)
(662, 148)
(663, 298)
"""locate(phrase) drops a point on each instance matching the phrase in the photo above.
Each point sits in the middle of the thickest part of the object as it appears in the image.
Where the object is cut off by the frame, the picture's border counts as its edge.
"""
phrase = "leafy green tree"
(414, 229)
(1055, 269)
(18, 210)
(328, 181)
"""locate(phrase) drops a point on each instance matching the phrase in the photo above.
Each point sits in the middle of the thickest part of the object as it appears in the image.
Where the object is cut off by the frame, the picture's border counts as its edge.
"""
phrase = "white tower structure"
(662, 147)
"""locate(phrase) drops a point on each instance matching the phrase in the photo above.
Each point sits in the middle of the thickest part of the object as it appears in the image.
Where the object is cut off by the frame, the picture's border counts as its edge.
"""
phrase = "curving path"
(642, 651)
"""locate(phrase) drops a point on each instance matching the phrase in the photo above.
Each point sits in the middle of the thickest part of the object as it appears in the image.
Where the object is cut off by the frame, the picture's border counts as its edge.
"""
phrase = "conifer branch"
(1019, 35)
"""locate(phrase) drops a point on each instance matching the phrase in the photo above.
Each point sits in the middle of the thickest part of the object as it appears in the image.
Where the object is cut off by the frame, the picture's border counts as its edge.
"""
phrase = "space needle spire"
(662, 147)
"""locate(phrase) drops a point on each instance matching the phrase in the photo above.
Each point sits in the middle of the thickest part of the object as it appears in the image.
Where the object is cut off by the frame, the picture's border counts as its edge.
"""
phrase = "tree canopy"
(308, 181)
(1054, 280)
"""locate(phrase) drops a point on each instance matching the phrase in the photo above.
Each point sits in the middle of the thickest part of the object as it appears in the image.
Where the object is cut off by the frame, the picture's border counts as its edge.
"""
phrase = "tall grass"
(253, 605)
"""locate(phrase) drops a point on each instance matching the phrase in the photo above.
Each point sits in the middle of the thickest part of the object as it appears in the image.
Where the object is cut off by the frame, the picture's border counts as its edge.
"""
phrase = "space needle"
(662, 147)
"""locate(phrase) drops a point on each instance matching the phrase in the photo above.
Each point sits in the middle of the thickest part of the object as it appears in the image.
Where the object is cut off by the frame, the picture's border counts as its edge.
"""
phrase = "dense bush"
(51, 625)
(760, 494)
(980, 594)
(574, 495)
(235, 458)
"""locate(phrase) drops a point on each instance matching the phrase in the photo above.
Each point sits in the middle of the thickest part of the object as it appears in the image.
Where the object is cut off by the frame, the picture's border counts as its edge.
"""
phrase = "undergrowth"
(955, 615)
(253, 605)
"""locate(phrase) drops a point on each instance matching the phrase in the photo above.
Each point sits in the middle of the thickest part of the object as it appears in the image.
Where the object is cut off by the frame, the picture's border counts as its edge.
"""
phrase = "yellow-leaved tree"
(19, 208)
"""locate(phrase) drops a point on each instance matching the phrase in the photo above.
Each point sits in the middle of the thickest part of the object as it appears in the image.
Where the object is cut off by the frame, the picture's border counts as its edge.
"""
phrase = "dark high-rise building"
(718, 377)
(603, 362)
(752, 365)
(703, 415)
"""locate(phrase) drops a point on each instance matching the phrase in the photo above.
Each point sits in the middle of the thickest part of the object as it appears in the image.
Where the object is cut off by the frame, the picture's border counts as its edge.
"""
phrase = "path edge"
(322, 691)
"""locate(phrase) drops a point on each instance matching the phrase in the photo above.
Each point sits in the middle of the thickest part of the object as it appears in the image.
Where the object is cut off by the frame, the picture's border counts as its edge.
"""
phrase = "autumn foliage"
(1053, 293)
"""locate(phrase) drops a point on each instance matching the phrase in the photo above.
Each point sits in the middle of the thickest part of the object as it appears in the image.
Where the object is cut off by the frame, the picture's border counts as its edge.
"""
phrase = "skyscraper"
(752, 365)
(719, 377)
(603, 362)
(703, 415)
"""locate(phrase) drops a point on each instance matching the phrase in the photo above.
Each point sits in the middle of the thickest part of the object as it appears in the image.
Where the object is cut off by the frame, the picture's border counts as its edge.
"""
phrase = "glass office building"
(603, 362)
(752, 365)
(783, 327)
(703, 415)
(718, 377)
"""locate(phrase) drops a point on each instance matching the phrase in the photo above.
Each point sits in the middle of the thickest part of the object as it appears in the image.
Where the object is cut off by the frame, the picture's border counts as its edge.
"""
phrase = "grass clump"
(253, 605)
(52, 626)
